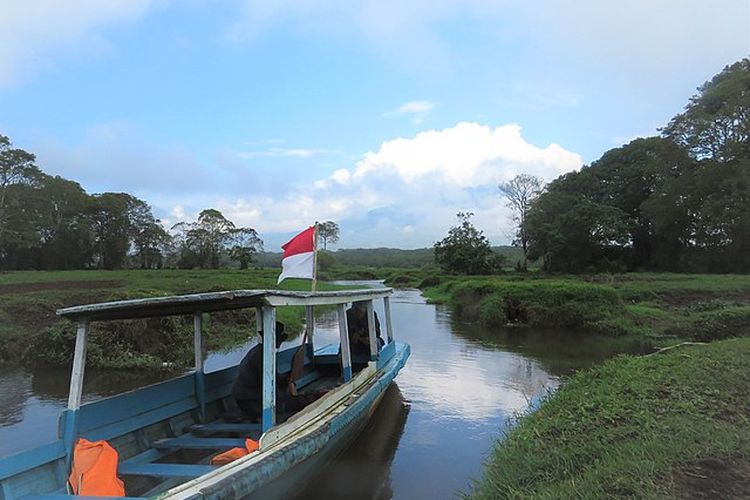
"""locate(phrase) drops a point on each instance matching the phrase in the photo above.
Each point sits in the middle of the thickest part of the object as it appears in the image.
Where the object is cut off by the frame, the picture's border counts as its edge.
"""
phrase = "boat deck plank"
(192, 442)
(217, 427)
(164, 470)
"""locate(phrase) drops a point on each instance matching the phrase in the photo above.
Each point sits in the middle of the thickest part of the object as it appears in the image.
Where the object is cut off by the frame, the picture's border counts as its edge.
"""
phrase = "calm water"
(433, 430)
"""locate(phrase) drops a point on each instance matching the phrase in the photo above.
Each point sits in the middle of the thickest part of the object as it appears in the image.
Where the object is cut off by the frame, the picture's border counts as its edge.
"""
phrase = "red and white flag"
(299, 256)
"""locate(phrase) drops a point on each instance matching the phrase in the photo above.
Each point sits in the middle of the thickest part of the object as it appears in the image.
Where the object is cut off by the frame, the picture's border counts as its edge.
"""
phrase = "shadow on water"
(364, 470)
(561, 352)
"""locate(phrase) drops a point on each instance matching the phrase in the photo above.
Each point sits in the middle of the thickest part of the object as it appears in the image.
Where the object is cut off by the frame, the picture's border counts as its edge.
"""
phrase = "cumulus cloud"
(32, 31)
(404, 193)
(407, 191)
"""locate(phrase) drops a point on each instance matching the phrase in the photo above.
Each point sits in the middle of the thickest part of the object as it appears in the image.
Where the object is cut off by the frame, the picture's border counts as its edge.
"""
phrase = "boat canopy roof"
(214, 301)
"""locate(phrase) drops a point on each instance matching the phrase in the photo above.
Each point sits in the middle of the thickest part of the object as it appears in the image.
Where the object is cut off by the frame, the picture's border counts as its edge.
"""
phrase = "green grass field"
(30, 332)
(669, 425)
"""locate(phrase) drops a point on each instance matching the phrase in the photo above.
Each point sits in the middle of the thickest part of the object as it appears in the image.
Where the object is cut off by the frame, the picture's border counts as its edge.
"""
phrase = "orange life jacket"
(94, 470)
(231, 455)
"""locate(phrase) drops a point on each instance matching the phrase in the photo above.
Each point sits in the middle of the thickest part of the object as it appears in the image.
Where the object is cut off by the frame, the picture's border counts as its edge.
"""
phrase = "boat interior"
(167, 433)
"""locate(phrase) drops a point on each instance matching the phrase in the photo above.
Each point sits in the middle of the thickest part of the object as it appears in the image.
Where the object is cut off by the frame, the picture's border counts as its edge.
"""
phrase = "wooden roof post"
(79, 366)
(310, 325)
(346, 355)
(388, 324)
(269, 368)
(200, 385)
(371, 331)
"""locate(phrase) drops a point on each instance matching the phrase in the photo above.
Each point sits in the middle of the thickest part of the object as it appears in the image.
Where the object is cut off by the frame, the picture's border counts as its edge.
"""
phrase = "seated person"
(248, 388)
(359, 334)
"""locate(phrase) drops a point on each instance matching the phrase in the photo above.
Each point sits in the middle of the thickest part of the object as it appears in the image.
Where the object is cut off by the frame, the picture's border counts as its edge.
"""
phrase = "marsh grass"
(31, 332)
(628, 428)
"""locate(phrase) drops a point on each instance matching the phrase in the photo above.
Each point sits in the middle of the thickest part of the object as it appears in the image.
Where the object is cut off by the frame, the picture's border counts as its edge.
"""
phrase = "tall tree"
(147, 236)
(111, 227)
(716, 122)
(466, 250)
(16, 168)
(244, 244)
(328, 231)
(521, 191)
(208, 235)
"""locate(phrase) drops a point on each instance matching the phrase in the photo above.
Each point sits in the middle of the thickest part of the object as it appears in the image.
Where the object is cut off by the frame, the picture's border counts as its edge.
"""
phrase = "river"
(460, 390)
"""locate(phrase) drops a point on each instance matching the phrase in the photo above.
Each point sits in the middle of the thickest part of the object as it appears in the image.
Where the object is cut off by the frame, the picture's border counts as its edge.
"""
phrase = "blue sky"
(387, 116)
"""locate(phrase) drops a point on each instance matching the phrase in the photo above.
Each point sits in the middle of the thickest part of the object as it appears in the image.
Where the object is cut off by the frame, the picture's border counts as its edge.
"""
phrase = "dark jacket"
(359, 335)
(249, 383)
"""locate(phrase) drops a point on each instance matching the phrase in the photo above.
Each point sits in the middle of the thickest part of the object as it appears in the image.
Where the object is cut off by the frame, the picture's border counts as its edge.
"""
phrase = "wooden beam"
(371, 331)
(269, 368)
(79, 366)
(388, 323)
(346, 355)
(200, 383)
(198, 340)
(310, 322)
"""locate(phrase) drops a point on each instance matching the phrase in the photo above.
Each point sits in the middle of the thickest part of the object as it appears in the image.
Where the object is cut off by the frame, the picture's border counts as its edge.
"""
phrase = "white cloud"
(416, 109)
(284, 153)
(468, 154)
(414, 185)
(404, 193)
(32, 32)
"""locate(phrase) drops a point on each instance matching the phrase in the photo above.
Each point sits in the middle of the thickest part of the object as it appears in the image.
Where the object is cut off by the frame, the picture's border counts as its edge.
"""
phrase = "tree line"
(679, 201)
(48, 222)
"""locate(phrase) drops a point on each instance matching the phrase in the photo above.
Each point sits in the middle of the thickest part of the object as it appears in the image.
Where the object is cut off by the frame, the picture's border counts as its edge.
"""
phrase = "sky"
(386, 116)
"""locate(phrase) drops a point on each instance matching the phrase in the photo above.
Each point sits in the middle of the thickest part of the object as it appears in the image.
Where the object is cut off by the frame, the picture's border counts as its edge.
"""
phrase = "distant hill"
(383, 257)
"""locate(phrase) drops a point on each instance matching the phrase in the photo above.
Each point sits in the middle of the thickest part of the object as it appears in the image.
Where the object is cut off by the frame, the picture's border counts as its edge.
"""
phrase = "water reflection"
(432, 431)
(364, 470)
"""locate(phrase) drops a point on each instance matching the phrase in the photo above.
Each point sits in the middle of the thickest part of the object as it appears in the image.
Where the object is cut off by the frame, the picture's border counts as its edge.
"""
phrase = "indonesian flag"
(299, 256)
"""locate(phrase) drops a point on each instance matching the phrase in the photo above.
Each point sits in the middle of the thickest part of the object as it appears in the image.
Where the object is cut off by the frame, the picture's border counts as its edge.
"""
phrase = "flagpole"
(315, 257)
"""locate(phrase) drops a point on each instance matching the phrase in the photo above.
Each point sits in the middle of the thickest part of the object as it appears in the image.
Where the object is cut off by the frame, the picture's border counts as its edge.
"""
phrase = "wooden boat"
(166, 433)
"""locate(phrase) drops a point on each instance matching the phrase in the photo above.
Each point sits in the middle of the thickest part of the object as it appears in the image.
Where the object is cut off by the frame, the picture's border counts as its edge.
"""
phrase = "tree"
(521, 191)
(716, 122)
(148, 237)
(329, 232)
(572, 233)
(208, 235)
(245, 244)
(466, 250)
(17, 169)
(204, 242)
(111, 228)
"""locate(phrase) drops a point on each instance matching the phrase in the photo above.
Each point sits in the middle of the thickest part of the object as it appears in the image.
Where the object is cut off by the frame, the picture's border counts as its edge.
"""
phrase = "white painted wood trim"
(371, 331)
(317, 408)
(79, 366)
(346, 354)
(269, 367)
(388, 323)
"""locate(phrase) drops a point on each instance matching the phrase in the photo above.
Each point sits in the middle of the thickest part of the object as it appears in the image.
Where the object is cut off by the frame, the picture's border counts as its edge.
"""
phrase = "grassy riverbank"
(655, 307)
(30, 332)
(672, 424)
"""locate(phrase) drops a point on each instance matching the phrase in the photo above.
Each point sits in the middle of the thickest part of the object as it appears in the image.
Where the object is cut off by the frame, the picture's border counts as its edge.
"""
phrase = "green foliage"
(629, 428)
(466, 250)
(681, 202)
(328, 232)
(30, 330)
(547, 303)
(716, 121)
